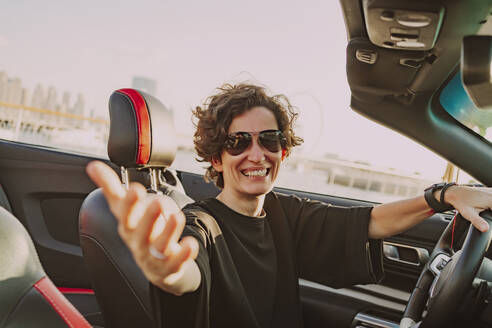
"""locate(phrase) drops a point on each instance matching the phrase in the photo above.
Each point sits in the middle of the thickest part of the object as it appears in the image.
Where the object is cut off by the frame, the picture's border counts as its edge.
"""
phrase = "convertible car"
(420, 68)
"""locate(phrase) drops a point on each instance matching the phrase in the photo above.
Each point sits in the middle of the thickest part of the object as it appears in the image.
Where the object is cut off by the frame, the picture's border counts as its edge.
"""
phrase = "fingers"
(103, 176)
(169, 207)
(169, 269)
(475, 219)
(479, 223)
(170, 235)
(149, 217)
(192, 244)
(470, 202)
(133, 206)
(188, 251)
(144, 227)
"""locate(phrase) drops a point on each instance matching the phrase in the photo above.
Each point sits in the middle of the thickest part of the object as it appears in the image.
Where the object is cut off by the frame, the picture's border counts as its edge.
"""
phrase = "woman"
(235, 260)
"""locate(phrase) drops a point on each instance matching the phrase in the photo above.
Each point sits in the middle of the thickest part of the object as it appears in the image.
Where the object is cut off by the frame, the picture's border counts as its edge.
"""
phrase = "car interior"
(400, 57)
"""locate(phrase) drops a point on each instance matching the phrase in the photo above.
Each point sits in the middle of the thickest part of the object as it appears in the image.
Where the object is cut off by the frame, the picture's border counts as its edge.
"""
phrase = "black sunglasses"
(271, 140)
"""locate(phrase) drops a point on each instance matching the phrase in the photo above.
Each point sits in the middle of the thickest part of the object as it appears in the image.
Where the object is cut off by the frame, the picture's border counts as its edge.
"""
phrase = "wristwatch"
(438, 206)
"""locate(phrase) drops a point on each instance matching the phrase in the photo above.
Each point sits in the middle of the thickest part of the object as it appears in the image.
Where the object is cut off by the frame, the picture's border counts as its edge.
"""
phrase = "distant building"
(50, 101)
(4, 112)
(37, 99)
(25, 97)
(65, 104)
(78, 109)
(3, 86)
(145, 84)
(14, 91)
(12, 94)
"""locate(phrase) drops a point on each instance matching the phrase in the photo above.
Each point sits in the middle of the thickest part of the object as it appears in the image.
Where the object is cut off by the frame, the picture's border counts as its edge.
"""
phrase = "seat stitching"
(53, 303)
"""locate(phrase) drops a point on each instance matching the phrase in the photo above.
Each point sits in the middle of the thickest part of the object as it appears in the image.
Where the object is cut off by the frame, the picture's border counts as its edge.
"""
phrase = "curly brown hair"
(213, 121)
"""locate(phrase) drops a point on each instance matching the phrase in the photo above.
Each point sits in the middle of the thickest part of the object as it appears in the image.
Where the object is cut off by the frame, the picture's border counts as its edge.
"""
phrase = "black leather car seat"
(28, 298)
(142, 136)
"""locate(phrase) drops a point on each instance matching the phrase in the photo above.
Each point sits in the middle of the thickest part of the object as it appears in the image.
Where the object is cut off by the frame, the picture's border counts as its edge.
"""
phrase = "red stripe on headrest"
(143, 123)
(60, 304)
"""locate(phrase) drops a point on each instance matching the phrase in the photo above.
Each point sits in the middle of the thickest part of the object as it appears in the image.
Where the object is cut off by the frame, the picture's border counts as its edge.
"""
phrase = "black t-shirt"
(251, 242)
(250, 266)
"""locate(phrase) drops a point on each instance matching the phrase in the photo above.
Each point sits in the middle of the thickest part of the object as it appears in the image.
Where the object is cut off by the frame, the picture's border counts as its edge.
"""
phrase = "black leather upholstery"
(120, 286)
(34, 311)
(123, 141)
(140, 123)
(22, 302)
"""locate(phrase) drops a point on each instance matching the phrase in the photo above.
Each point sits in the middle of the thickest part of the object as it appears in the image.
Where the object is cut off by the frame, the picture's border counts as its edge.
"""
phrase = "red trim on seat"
(68, 290)
(60, 304)
(143, 123)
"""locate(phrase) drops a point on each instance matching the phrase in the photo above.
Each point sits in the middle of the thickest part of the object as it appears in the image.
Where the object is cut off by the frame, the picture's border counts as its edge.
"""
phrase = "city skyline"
(190, 49)
(29, 123)
(12, 91)
(46, 98)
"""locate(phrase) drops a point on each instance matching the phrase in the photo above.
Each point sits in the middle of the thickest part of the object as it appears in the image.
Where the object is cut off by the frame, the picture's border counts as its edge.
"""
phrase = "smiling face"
(253, 172)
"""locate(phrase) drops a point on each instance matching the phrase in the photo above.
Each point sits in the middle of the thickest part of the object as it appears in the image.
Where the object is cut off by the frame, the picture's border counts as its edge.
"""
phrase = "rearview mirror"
(476, 57)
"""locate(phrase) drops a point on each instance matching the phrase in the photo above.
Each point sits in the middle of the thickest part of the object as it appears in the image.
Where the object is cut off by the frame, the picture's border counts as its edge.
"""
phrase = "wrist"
(446, 195)
(435, 197)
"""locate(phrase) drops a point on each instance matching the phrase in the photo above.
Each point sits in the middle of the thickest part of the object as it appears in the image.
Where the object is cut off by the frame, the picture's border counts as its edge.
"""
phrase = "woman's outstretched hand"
(151, 225)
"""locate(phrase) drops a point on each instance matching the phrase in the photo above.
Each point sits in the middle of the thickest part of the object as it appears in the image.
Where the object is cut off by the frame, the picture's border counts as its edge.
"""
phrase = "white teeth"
(256, 173)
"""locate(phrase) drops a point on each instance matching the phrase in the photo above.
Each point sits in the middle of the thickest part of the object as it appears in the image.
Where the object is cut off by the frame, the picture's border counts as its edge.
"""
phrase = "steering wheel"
(448, 275)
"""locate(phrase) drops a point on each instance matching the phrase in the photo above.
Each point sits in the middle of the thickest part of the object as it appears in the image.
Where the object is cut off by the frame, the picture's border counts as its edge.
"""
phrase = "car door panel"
(324, 306)
(45, 189)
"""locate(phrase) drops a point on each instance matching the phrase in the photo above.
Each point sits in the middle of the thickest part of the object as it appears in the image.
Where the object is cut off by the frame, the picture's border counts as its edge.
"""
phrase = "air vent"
(366, 56)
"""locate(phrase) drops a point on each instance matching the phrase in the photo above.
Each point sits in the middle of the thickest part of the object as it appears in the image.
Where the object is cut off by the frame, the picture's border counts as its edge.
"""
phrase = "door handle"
(411, 255)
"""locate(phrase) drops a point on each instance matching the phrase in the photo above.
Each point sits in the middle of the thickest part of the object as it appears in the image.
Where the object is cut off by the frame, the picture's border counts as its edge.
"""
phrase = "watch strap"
(443, 191)
(433, 203)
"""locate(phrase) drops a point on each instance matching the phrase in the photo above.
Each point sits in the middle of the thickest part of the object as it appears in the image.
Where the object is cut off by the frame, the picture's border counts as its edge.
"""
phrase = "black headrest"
(19, 266)
(141, 132)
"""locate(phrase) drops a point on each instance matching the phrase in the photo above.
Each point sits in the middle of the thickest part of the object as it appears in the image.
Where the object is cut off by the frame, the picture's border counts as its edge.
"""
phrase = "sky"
(191, 47)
